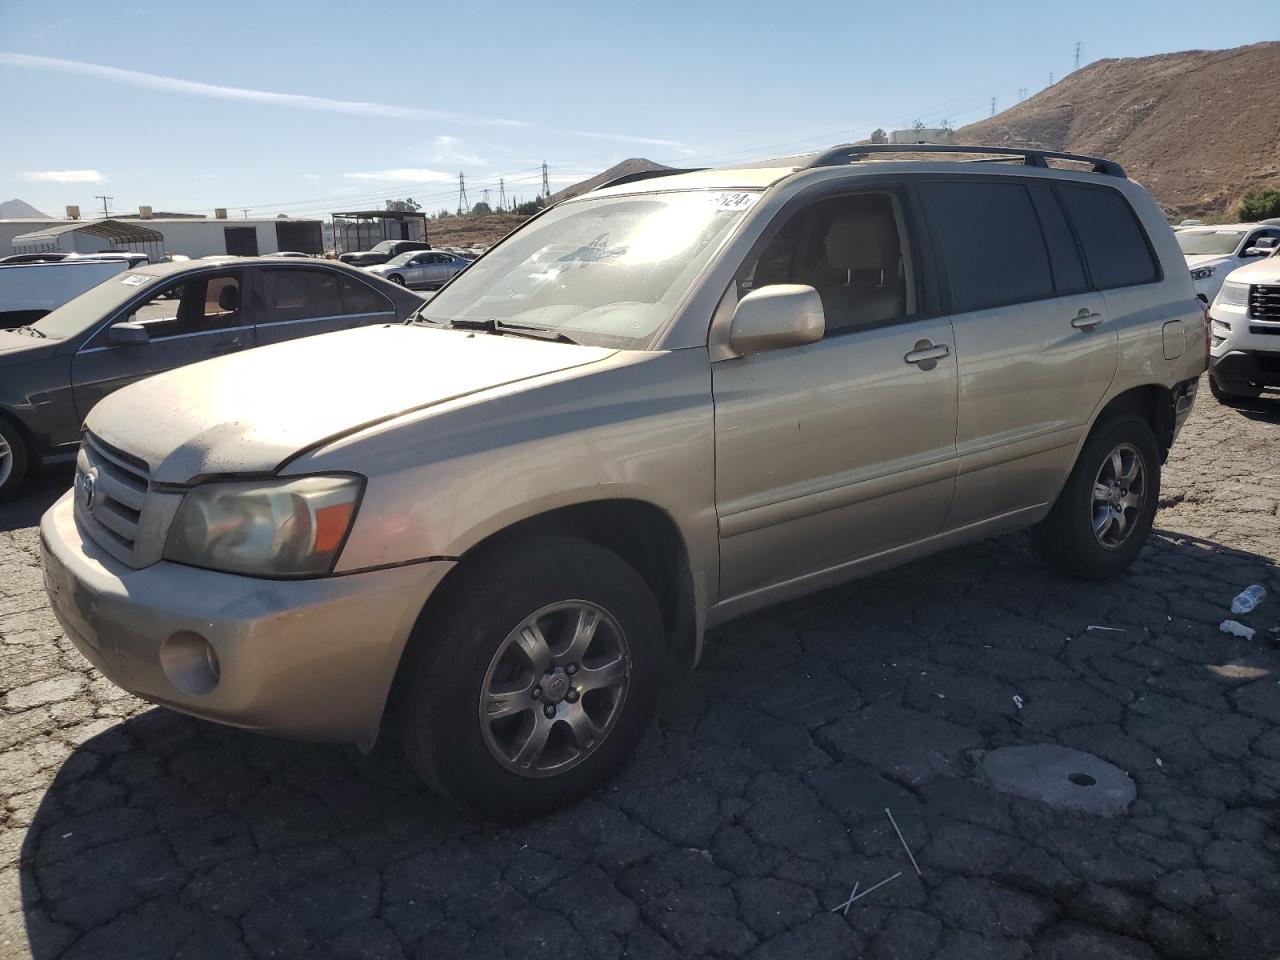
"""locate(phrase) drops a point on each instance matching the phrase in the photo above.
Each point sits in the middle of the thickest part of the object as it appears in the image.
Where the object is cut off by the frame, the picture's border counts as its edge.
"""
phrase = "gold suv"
(651, 409)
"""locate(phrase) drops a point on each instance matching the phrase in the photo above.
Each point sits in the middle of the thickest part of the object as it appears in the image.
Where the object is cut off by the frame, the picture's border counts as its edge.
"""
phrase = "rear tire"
(1234, 395)
(1104, 514)
(478, 685)
(14, 459)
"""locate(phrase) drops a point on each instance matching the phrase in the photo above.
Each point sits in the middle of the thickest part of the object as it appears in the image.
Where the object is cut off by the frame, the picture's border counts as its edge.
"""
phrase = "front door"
(841, 449)
(190, 320)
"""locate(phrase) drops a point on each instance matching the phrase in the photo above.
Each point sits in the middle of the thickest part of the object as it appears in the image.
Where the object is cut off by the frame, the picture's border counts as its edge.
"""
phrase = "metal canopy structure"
(361, 229)
(120, 234)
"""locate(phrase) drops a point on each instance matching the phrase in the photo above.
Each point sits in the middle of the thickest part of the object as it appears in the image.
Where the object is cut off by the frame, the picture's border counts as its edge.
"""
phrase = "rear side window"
(1114, 243)
(358, 298)
(299, 295)
(1068, 269)
(991, 242)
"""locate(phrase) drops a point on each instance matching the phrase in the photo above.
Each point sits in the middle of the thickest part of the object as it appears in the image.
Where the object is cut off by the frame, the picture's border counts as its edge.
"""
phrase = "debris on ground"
(1094, 626)
(1236, 629)
(1247, 600)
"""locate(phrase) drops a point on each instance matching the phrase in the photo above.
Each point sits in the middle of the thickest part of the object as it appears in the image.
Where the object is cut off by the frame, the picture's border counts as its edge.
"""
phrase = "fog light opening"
(190, 663)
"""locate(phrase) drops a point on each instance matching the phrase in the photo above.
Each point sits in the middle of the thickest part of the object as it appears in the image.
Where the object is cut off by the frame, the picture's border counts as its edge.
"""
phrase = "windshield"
(1209, 242)
(76, 316)
(386, 246)
(607, 271)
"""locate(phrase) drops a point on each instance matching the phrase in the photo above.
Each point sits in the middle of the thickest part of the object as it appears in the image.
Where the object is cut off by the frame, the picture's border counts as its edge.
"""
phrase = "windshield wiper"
(493, 325)
(33, 332)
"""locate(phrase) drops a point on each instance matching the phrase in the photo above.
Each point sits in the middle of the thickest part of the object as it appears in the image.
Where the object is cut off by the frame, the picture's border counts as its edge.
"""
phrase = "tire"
(466, 653)
(1232, 396)
(1067, 538)
(14, 459)
(396, 278)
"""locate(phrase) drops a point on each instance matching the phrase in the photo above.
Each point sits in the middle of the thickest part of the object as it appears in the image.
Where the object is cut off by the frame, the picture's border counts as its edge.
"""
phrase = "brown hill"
(626, 167)
(1198, 128)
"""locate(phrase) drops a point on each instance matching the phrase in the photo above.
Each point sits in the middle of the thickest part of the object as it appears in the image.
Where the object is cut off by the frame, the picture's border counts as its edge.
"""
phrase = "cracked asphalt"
(757, 802)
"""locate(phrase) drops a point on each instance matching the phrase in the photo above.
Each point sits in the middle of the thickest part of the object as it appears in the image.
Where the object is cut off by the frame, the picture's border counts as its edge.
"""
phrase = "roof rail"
(645, 175)
(850, 153)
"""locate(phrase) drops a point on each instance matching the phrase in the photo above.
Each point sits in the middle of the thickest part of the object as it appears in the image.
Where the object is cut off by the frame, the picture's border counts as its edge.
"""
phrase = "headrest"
(861, 242)
(229, 298)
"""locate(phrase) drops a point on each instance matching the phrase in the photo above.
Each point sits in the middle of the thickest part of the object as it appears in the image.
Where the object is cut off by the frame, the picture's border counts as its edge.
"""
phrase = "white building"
(158, 236)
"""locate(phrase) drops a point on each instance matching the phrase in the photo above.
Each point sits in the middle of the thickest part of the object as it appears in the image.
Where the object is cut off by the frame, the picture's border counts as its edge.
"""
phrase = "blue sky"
(308, 108)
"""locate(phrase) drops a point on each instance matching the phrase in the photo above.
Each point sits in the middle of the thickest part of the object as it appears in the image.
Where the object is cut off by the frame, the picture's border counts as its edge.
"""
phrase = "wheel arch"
(1152, 402)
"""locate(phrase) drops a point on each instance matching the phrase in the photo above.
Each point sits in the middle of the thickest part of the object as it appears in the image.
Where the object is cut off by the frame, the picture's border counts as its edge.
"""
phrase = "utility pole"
(463, 206)
(245, 211)
(1079, 45)
(546, 182)
(993, 106)
(502, 195)
(104, 199)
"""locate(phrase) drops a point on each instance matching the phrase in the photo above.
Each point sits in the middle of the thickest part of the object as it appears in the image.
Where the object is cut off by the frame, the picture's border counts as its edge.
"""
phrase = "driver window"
(850, 250)
(195, 305)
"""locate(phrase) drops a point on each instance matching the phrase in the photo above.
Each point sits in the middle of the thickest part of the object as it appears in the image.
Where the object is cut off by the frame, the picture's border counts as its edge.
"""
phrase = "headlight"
(277, 528)
(1233, 294)
(1202, 273)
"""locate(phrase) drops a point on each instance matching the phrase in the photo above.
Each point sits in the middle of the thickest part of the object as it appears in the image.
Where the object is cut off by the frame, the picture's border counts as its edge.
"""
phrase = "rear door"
(1036, 345)
(294, 302)
(188, 320)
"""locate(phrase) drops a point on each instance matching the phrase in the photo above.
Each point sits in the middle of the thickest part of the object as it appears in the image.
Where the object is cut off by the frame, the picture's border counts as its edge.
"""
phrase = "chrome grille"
(1264, 302)
(110, 492)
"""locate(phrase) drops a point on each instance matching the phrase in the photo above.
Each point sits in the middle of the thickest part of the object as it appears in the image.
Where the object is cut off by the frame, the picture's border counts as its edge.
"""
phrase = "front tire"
(1104, 514)
(14, 459)
(396, 279)
(532, 679)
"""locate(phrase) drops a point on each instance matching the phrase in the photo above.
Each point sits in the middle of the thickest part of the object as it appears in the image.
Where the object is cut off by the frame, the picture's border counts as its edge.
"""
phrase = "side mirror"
(1255, 252)
(777, 316)
(127, 333)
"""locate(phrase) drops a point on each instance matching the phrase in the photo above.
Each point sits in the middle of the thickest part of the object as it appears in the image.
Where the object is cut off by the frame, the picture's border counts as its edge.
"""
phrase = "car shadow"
(36, 495)
(203, 840)
(1261, 410)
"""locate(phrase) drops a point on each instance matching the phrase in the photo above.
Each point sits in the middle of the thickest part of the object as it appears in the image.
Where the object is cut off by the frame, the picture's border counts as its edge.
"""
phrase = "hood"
(249, 412)
(18, 347)
(1266, 270)
(1205, 260)
(379, 268)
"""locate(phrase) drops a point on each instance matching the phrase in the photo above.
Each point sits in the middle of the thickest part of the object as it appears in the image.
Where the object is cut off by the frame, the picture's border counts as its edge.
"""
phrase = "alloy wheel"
(555, 688)
(1119, 492)
(6, 460)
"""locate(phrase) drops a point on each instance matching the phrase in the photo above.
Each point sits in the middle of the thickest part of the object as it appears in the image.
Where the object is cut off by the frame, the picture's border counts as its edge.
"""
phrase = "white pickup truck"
(28, 291)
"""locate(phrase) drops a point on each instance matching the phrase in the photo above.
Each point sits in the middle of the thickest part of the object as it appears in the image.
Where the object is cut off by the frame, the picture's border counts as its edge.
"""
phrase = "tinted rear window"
(991, 242)
(1115, 245)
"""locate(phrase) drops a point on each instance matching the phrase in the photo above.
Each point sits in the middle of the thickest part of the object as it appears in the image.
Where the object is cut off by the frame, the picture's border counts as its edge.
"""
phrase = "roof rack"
(851, 153)
(645, 175)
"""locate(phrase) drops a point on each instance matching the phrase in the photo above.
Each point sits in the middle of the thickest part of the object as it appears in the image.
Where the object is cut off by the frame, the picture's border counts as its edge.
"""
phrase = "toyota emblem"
(88, 488)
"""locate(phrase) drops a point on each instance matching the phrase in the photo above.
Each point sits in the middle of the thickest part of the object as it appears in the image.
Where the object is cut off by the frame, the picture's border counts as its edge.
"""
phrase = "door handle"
(1086, 319)
(926, 354)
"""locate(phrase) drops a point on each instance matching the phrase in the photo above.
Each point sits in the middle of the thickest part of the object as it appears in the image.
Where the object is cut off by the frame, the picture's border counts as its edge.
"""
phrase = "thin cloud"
(622, 138)
(154, 81)
(404, 174)
(63, 176)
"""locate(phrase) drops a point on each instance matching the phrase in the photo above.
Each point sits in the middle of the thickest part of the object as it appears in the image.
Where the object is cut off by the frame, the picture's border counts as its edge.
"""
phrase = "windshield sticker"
(735, 201)
(134, 279)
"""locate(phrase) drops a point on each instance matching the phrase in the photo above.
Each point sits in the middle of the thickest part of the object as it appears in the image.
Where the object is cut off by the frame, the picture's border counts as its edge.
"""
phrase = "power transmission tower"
(502, 194)
(1051, 79)
(104, 199)
(463, 206)
(993, 106)
(1079, 45)
(1022, 94)
(546, 182)
(484, 197)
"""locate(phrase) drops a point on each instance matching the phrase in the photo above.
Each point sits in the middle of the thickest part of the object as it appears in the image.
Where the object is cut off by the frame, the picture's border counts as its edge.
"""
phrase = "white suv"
(1213, 252)
(1244, 349)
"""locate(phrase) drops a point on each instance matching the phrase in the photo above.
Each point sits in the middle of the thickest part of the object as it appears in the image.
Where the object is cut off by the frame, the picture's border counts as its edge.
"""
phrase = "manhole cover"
(1068, 779)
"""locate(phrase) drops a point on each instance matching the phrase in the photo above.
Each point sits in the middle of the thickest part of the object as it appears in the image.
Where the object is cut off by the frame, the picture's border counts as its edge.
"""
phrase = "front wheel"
(1105, 512)
(533, 678)
(13, 459)
(396, 278)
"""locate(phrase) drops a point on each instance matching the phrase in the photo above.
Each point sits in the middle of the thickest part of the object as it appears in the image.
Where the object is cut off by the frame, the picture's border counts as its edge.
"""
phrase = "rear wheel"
(535, 680)
(13, 459)
(1233, 395)
(1105, 512)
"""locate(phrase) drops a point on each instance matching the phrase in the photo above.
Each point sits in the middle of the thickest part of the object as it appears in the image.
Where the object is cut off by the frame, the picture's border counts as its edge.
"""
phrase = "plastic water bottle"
(1248, 599)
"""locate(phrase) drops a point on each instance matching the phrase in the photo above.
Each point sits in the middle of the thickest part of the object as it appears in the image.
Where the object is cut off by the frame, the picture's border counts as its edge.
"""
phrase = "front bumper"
(1247, 367)
(312, 659)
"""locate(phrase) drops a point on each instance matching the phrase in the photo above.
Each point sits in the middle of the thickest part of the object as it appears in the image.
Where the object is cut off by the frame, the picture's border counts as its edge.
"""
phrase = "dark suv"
(383, 252)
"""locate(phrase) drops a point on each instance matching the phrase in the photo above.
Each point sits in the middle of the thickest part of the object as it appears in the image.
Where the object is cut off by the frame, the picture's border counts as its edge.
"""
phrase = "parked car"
(1212, 252)
(1245, 328)
(426, 269)
(154, 318)
(29, 291)
(383, 252)
(650, 409)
